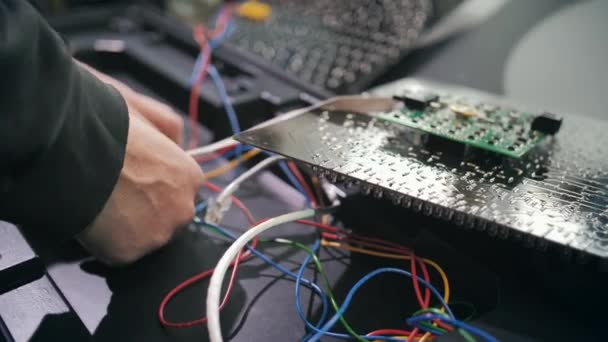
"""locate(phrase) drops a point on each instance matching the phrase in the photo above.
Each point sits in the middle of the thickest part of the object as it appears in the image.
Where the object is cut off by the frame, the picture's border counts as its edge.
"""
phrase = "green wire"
(465, 334)
(333, 301)
(319, 267)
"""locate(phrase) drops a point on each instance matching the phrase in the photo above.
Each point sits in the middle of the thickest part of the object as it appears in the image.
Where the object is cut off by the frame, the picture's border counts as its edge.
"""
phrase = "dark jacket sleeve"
(63, 133)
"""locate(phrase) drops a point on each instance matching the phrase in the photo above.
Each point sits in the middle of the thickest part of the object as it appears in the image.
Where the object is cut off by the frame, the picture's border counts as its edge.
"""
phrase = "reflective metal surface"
(339, 45)
(557, 193)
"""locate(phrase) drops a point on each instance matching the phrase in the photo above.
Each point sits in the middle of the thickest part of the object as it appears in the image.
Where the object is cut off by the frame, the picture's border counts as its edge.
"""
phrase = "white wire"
(223, 200)
(370, 105)
(230, 141)
(203, 150)
(217, 279)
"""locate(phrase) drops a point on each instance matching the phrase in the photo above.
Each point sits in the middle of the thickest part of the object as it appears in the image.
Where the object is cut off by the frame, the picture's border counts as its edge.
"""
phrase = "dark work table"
(545, 52)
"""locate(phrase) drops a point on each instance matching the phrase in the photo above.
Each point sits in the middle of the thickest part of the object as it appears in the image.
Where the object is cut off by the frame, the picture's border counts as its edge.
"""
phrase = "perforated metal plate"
(557, 193)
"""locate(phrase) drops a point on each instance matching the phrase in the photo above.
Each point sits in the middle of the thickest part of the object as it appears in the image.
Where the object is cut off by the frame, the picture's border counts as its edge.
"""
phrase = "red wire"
(393, 246)
(410, 337)
(320, 225)
(240, 258)
(200, 36)
(444, 325)
(195, 279)
(364, 242)
(221, 22)
(388, 332)
(215, 155)
(302, 181)
(425, 275)
(235, 201)
(424, 303)
(194, 95)
(377, 243)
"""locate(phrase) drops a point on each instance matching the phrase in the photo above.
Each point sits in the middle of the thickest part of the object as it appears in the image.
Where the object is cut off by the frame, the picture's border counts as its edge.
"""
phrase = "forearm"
(63, 132)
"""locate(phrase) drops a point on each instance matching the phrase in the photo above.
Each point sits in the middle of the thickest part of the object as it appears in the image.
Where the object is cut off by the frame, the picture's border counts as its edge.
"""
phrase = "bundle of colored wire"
(192, 280)
(231, 164)
(359, 284)
(202, 36)
(213, 294)
(249, 155)
(202, 67)
(325, 228)
(302, 281)
(446, 285)
(452, 321)
(332, 299)
(242, 257)
(217, 279)
(388, 252)
(316, 328)
(250, 250)
(370, 242)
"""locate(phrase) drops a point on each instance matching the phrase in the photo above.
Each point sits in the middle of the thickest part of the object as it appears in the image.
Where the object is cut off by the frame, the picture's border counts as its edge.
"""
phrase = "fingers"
(159, 114)
(153, 198)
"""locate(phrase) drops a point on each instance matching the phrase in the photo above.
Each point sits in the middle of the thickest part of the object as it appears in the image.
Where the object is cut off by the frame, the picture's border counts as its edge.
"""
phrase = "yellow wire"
(424, 337)
(231, 165)
(444, 277)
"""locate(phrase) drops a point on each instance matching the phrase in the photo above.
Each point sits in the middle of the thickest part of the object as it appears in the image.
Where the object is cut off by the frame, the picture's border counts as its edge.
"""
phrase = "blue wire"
(302, 315)
(305, 262)
(290, 177)
(360, 283)
(459, 324)
(232, 153)
(219, 84)
(311, 285)
(228, 108)
(221, 90)
(213, 44)
(200, 207)
(301, 281)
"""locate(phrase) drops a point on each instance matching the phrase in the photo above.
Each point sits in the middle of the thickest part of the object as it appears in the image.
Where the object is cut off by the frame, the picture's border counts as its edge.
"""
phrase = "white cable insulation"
(208, 149)
(222, 203)
(217, 279)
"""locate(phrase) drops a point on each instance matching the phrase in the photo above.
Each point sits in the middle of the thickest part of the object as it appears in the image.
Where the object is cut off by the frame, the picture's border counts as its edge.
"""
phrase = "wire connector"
(222, 203)
(217, 209)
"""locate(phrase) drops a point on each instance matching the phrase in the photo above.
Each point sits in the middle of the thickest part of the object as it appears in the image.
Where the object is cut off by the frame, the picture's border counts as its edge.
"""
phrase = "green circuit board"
(502, 130)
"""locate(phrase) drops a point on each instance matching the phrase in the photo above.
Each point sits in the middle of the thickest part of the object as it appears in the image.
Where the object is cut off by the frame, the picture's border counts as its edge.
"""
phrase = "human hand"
(156, 188)
(154, 196)
(157, 113)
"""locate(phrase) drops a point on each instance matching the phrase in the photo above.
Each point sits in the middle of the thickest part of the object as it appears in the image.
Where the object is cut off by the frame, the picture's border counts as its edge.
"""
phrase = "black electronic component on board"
(547, 123)
(417, 100)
